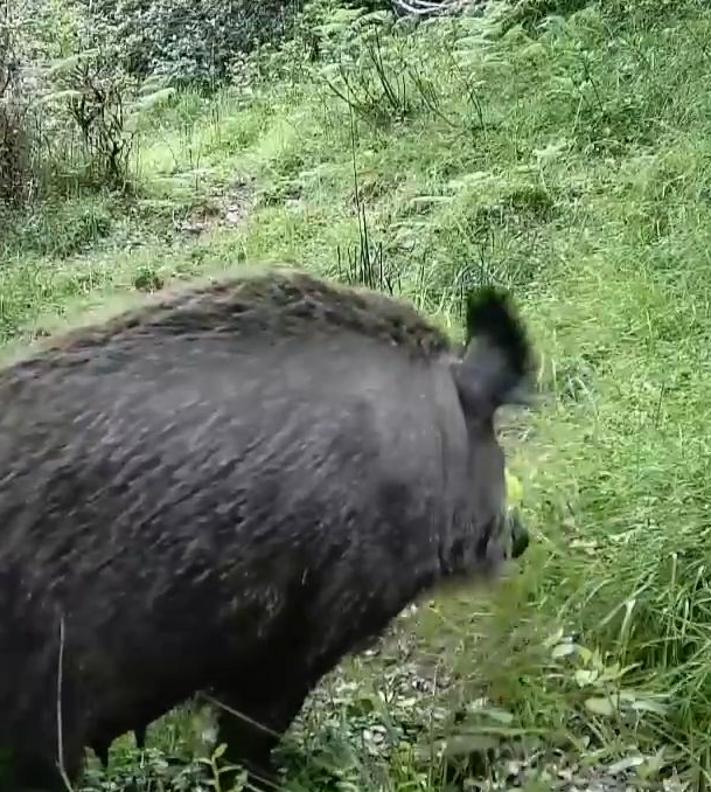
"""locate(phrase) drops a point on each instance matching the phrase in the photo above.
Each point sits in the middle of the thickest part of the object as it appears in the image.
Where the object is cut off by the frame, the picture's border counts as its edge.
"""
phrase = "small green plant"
(601, 681)
(147, 279)
(365, 264)
(237, 783)
(374, 85)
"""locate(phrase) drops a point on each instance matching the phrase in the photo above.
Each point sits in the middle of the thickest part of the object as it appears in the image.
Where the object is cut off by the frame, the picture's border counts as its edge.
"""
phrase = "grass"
(568, 157)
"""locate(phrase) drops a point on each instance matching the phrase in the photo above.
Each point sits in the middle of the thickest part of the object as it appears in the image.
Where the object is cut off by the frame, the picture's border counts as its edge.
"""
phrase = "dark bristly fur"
(498, 352)
(227, 490)
(491, 315)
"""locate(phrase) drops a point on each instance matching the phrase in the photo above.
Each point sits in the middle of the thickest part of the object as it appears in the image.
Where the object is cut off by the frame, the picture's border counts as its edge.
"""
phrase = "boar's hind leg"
(248, 744)
(101, 749)
(140, 734)
(34, 774)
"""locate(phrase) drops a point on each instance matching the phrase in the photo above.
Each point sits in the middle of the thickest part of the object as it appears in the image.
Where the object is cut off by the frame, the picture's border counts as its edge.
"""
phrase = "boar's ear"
(498, 362)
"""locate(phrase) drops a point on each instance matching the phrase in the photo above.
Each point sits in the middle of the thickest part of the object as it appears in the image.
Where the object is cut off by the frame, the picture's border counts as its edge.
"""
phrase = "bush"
(186, 40)
(16, 118)
(15, 173)
(95, 98)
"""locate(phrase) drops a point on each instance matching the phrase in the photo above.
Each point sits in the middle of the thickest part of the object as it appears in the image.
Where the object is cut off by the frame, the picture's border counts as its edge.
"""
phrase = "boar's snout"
(519, 534)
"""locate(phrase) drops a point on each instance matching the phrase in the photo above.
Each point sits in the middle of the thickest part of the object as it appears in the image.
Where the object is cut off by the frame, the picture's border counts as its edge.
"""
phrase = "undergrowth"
(561, 150)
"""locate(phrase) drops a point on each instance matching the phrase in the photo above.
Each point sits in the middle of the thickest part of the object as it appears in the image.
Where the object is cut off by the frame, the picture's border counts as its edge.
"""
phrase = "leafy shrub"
(74, 118)
(533, 15)
(96, 98)
(368, 5)
(16, 111)
(188, 41)
(15, 176)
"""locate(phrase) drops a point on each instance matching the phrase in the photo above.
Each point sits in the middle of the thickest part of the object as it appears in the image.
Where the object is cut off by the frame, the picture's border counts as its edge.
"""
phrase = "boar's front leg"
(36, 774)
(249, 744)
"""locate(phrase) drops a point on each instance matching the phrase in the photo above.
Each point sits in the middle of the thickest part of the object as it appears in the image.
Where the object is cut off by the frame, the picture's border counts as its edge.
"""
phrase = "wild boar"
(227, 490)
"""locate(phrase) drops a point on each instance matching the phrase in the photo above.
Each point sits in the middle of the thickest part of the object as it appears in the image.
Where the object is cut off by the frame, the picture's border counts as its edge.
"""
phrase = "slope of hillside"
(568, 157)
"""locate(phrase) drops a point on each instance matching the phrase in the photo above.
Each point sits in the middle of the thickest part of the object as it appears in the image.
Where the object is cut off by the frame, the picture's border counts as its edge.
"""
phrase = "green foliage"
(60, 229)
(98, 98)
(536, 15)
(17, 138)
(188, 42)
(52, 28)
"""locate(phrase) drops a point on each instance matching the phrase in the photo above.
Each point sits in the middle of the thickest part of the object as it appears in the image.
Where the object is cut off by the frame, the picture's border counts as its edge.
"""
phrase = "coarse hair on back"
(277, 302)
